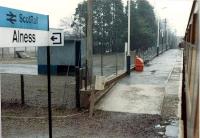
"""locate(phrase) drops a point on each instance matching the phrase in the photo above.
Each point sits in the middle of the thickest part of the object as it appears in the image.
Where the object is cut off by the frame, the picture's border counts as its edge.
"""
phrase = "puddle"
(172, 130)
(169, 129)
(147, 65)
(153, 71)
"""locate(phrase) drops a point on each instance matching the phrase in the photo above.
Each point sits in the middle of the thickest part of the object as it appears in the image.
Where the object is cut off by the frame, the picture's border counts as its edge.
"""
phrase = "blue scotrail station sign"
(13, 18)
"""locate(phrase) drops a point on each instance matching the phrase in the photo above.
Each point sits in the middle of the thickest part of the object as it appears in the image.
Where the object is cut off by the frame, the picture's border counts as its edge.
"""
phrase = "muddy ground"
(101, 125)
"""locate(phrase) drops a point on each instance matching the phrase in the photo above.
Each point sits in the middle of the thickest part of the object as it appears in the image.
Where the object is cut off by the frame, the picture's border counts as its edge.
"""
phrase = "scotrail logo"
(11, 17)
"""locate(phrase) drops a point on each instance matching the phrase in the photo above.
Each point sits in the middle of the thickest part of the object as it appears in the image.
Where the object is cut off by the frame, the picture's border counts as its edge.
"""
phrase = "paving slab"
(143, 99)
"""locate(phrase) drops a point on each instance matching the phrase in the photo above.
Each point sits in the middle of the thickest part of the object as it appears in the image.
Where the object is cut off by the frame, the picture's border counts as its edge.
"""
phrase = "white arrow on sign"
(56, 37)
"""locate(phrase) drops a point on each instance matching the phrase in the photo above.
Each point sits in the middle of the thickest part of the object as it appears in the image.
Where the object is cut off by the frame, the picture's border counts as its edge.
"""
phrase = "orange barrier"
(139, 64)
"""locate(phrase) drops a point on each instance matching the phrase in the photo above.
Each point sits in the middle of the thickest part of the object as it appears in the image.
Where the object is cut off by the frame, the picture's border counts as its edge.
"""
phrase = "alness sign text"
(25, 38)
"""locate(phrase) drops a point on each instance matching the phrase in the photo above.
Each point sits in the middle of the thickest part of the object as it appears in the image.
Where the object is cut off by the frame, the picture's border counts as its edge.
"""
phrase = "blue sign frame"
(13, 18)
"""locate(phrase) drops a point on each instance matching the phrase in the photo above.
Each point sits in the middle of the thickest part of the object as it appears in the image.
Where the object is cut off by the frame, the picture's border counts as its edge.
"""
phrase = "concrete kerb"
(165, 87)
(110, 82)
(181, 124)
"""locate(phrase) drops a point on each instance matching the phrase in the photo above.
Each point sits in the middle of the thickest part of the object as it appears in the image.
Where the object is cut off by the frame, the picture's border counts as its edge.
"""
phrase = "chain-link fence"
(115, 63)
(109, 64)
(35, 90)
(147, 54)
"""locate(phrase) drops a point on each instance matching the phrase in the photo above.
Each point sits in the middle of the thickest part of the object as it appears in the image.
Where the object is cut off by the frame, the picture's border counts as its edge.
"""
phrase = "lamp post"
(158, 29)
(162, 34)
(165, 33)
(167, 39)
(128, 59)
(158, 37)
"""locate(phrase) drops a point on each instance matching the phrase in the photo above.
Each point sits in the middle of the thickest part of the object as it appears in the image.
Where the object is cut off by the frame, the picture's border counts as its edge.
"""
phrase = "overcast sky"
(176, 11)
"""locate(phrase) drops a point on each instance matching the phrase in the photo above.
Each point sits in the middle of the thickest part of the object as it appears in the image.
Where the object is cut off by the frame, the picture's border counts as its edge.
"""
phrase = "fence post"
(86, 74)
(128, 66)
(77, 87)
(22, 89)
(158, 51)
(2, 53)
(77, 71)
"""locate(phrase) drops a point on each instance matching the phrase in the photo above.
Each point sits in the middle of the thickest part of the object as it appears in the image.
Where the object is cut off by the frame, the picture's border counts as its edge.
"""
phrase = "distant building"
(63, 59)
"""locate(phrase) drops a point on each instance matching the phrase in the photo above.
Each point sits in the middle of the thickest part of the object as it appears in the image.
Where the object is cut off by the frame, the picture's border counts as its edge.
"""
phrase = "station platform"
(155, 91)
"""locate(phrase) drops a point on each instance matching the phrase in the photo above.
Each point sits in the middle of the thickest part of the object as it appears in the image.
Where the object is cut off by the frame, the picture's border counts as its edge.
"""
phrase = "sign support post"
(49, 91)
(49, 88)
(22, 89)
